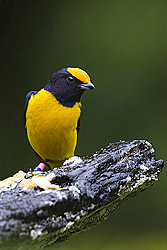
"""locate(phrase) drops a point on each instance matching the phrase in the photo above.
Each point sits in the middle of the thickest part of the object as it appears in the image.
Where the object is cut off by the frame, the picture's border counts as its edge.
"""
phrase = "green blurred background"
(123, 46)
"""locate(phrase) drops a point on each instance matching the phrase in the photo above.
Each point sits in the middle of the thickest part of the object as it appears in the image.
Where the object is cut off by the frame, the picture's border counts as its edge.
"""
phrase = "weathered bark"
(90, 188)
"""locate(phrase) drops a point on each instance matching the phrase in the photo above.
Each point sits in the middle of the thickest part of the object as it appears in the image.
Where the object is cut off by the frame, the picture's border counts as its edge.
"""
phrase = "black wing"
(78, 126)
(28, 96)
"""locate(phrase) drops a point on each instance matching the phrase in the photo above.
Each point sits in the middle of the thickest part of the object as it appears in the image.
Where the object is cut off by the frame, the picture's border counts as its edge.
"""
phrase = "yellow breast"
(51, 127)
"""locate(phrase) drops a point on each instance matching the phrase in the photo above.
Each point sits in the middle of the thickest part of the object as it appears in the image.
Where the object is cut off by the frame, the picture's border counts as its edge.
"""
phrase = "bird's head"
(68, 84)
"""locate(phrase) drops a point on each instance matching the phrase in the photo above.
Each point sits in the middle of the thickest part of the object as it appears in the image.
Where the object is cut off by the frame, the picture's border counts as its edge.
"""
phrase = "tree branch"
(36, 212)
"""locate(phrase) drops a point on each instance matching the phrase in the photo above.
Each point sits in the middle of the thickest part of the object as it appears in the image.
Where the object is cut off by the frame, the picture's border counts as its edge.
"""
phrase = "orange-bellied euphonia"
(52, 115)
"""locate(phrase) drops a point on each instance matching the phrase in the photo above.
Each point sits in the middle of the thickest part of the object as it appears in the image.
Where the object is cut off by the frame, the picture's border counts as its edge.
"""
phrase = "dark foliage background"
(123, 46)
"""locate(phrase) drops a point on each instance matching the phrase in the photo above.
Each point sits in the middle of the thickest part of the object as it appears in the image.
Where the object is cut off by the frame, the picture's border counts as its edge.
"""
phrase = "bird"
(52, 115)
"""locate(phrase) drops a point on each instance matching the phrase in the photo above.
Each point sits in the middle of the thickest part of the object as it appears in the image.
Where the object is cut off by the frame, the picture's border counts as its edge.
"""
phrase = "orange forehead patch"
(79, 74)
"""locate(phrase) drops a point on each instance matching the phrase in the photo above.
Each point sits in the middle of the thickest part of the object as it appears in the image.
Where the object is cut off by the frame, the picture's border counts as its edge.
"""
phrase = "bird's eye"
(70, 79)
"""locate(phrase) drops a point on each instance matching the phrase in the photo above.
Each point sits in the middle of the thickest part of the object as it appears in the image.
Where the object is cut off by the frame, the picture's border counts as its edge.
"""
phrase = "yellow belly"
(51, 127)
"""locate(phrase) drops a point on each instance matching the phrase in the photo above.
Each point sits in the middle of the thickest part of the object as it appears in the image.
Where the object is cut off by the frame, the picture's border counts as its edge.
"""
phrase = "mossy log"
(80, 194)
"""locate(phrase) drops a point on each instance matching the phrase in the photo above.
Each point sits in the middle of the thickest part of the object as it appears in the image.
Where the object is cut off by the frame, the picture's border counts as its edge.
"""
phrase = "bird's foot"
(40, 167)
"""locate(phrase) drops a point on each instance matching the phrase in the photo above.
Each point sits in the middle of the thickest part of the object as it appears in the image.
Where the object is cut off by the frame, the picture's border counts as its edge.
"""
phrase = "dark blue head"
(68, 85)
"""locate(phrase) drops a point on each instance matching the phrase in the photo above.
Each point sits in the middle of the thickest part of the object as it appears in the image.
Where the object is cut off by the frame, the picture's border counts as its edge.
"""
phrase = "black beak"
(87, 85)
